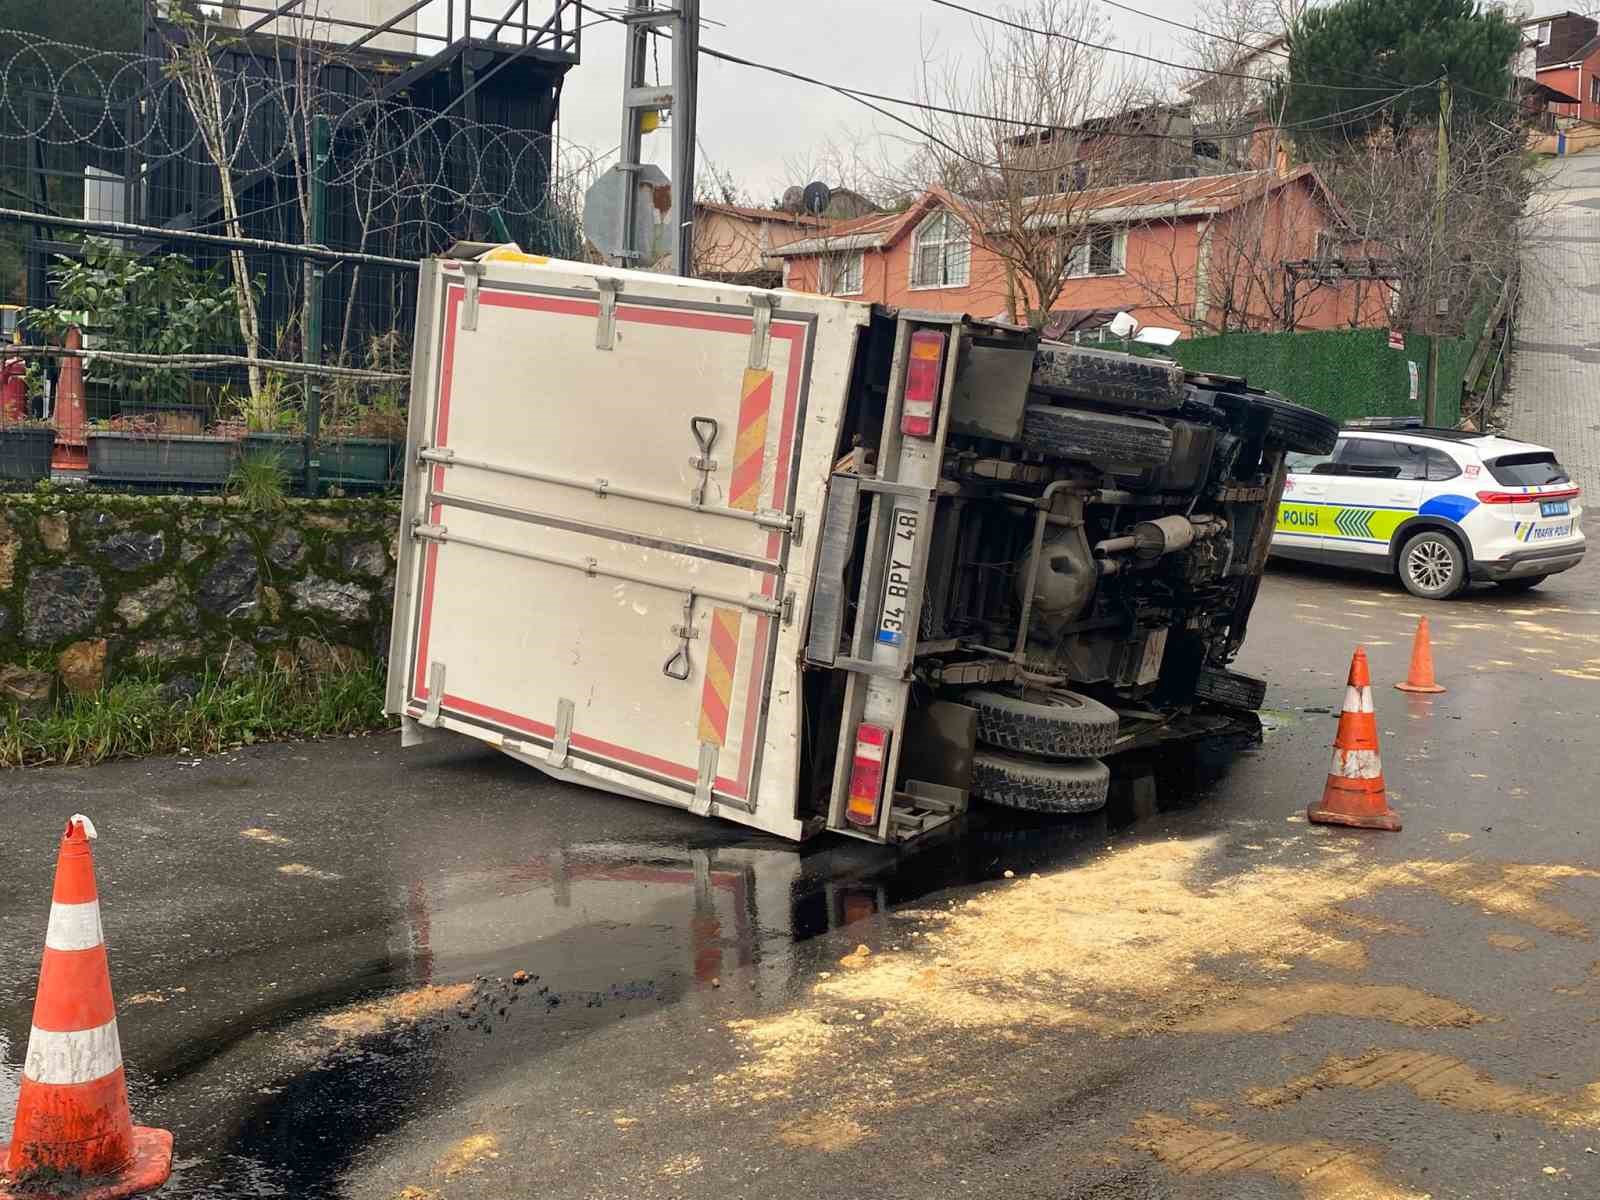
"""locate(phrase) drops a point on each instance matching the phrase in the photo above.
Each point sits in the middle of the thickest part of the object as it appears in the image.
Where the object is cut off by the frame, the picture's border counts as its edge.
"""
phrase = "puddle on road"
(604, 931)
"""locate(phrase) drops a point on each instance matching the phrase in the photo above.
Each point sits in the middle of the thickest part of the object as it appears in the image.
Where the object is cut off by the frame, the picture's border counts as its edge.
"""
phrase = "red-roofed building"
(738, 244)
(1200, 255)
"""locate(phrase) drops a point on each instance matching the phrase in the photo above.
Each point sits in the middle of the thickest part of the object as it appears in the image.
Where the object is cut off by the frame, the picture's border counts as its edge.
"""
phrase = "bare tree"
(193, 64)
(1011, 152)
(1444, 266)
(1237, 54)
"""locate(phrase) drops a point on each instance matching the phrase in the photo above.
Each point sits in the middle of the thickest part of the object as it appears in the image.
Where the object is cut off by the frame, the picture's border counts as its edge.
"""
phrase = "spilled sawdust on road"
(1438, 1079)
(1321, 1170)
(466, 1156)
(1135, 943)
(401, 1008)
(823, 1131)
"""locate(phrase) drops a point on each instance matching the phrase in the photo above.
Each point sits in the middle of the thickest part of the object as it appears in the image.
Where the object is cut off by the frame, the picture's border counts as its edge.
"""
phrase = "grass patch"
(133, 717)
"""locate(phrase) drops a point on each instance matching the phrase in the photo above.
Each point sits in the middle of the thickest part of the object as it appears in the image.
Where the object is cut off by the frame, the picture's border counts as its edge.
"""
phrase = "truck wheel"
(1061, 787)
(1231, 688)
(1296, 427)
(1109, 378)
(1105, 439)
(1057, 725)
(1433, 566)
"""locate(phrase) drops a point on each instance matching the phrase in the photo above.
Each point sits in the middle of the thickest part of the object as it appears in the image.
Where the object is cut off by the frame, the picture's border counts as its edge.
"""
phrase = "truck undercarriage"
(1099, 527)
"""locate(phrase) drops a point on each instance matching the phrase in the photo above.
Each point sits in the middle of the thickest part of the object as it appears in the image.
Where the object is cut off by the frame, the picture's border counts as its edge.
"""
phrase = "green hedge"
(1345, 373)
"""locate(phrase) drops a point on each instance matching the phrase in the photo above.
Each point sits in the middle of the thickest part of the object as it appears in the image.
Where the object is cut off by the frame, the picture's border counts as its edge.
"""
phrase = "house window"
(1544, 33)
(941, 252)
(840, 274)
(1099, 250)
(1594, 89)
(1327, 245)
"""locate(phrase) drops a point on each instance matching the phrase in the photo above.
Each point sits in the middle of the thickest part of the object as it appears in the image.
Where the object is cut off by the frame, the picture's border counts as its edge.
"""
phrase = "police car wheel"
(1433, 566)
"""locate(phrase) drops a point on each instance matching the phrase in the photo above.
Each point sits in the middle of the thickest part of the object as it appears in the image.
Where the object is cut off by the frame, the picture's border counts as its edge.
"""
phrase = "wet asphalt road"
(313, 949)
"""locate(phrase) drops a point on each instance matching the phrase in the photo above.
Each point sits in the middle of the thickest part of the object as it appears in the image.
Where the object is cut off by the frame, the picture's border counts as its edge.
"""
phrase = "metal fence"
(232, 220)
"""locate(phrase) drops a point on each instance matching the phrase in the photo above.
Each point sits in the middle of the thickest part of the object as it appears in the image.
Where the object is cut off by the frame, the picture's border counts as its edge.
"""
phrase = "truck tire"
(1057, 725)
(1052, 787)
(1296, 427)
(1106, 377)
(1104, 439)
(1231, 688)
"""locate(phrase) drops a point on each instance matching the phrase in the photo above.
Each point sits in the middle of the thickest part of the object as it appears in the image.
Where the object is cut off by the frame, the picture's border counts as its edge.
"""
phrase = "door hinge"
(605, 333)
(430, 714)
(761, 306)
(471, 273)
(558, 745)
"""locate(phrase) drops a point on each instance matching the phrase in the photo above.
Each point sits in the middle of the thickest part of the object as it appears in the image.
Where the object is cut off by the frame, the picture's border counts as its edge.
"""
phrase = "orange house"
(1200, 255)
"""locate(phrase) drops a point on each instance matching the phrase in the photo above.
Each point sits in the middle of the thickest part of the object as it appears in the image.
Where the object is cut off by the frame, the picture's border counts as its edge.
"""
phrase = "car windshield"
(1526, 470)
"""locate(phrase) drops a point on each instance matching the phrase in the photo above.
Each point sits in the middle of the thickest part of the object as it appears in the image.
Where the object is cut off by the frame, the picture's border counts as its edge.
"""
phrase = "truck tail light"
(1570, 493)
(923, 375)
(866, 775)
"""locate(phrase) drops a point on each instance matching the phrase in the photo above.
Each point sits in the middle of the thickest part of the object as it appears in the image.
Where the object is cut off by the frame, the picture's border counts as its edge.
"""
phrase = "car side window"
(1413, 460)
(1369, 458)
(1441, 467)
(1305, 464)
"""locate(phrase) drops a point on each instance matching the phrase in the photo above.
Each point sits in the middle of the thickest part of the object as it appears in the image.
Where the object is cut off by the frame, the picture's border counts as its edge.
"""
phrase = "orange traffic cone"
(1355, 794)
(74, 1133)
(1421, 677)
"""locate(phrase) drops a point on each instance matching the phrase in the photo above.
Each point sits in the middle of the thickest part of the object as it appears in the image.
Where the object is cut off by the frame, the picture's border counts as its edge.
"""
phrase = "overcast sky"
(752, 122)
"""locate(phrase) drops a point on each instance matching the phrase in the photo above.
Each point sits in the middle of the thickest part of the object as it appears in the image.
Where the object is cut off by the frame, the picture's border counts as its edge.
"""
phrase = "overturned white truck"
(804, 563)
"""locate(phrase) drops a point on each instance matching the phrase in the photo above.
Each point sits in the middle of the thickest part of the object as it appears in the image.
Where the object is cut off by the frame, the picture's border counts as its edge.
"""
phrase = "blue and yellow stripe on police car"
(1347, 522)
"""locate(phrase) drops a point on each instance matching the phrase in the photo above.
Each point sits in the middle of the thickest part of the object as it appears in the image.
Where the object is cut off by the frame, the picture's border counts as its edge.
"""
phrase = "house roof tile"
(760, 214)
(1162, 199)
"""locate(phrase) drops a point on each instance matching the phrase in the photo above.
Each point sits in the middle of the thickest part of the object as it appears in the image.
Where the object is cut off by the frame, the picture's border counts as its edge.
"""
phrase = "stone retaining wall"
(94, 586)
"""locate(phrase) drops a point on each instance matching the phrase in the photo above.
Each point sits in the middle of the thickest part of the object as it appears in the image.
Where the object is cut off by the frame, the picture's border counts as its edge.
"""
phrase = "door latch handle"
(679, 666)
(705, 431)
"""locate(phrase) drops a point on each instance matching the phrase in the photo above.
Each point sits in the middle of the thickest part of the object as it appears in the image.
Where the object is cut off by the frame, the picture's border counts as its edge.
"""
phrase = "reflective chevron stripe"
(1354, 522)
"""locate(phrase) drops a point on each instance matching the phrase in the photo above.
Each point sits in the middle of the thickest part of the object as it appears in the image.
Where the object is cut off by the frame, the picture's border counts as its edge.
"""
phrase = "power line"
(868, 99)
(1109, 49)
(1020, 123)
(1286, 57)
(1221, 37)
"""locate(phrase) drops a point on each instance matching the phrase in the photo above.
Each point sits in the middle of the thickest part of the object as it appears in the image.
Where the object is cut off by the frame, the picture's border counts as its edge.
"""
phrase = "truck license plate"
(1553, 508)
(898, 622)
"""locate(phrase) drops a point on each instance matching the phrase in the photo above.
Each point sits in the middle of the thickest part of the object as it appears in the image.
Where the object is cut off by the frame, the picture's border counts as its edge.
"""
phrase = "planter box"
(361, 463)
(25, 454)
(187, 460)
(288, 450)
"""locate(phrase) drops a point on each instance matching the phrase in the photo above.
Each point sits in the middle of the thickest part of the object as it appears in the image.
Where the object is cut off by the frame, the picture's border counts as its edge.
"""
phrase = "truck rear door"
(606, 518)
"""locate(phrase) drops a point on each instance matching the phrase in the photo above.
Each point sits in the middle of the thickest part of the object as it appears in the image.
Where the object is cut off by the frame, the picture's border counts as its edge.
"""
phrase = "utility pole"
(641, 102)
(1441, 183)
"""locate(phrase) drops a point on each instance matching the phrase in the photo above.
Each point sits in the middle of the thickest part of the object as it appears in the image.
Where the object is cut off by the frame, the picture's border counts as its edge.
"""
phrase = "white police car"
(1437, 506)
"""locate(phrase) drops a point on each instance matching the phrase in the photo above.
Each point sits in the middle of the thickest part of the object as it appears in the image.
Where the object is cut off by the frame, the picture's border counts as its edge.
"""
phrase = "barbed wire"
(411, 173)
